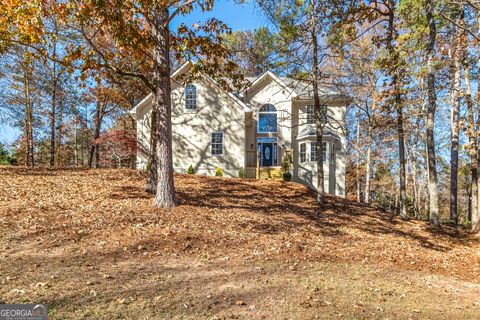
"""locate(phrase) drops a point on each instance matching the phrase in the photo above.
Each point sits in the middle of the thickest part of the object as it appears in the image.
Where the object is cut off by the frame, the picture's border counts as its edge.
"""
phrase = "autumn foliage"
(118, 148)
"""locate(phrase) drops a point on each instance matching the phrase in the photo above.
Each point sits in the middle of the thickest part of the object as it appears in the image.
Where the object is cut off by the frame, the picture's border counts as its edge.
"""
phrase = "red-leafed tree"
(119, 148)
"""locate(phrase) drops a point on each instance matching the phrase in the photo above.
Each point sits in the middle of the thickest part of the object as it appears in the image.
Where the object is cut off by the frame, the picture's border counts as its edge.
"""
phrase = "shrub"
(190, 170)
(6, 157)
(241, 173)
(218, 172)
(147, 167)
(286, 161)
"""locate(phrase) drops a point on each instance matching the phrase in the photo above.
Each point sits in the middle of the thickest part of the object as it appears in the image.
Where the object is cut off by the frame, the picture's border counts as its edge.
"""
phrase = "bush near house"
(190, 170)
(241, 173)
(286, 163)
(218, 172)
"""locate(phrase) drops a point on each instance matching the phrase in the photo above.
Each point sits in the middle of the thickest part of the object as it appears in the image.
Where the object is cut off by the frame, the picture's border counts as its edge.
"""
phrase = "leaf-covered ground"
(90, 245)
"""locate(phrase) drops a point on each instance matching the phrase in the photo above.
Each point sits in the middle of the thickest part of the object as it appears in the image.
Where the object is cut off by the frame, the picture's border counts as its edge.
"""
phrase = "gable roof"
(148, 99)
(298, 88)
(268, 74)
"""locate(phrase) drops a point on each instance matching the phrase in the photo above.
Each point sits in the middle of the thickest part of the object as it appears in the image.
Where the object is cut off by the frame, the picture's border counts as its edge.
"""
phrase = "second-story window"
(310, 115)
(267, 119)
(190, 97)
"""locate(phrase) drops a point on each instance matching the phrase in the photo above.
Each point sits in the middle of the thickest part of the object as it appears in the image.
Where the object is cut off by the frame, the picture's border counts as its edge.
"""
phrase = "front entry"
(267, 155)
(267, 152)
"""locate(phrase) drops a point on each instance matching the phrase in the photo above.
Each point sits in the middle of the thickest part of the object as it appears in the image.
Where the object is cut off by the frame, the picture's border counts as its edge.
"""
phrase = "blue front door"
(267, 154)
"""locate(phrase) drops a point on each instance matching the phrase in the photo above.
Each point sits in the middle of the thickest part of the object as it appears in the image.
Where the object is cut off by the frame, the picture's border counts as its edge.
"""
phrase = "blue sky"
(237, 16)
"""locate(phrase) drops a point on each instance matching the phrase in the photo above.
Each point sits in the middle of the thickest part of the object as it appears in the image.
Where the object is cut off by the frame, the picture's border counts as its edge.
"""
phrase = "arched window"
(190, 97)
(267, 119)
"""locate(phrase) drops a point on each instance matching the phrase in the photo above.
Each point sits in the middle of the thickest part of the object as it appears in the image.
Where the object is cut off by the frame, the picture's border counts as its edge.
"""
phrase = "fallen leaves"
(259, 220)
(76, 219)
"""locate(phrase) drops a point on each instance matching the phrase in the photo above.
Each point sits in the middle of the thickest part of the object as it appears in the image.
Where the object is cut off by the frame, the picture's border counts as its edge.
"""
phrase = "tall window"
(303, 152)
(314, 151)
(217, 144)
(190, 97)
(323, 114)
(267, 119)
(310, 113)
(332, 153)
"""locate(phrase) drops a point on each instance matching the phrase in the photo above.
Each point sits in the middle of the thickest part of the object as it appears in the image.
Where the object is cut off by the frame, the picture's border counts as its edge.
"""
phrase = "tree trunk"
(59, 133)
(368, 161)
(476, 227)
(52, 129)
(29, 161)
(431, 108)
(367, 171)
(317, 107)
(455, 123)
(165, 197)
(94, 156)
(75, 133)
(53, 108)
(401, 154)
(472, 147)
(473, 134)
(414, 174)
(408, 163)
(152, 178)
(359, 193)
(394, 72)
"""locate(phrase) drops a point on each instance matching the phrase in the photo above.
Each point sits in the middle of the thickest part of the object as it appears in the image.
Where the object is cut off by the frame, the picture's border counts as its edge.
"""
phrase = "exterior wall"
(334, 171)
(191, 131)
(273, 93)
(143, 116)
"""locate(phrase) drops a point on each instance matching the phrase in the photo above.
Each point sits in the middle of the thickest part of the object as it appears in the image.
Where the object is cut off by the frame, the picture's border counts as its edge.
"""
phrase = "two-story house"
(251, 132)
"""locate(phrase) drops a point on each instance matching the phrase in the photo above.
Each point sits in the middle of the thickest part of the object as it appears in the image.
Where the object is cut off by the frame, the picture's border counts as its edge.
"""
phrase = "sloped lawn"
(90, 245)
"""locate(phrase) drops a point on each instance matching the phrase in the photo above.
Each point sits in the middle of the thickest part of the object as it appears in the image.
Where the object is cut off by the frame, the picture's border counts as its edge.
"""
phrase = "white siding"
(191, 131)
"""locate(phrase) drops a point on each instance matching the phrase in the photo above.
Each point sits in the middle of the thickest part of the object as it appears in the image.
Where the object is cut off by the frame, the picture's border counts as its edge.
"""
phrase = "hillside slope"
(90, 244)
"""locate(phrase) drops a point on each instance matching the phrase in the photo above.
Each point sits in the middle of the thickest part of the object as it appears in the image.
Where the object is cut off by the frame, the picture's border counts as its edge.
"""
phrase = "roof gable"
(260, 82)
(185, 67)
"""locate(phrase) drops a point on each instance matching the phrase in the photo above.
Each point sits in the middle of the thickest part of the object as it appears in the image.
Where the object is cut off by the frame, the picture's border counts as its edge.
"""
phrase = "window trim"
(187, 99)
(267, 112)
(216, 143)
